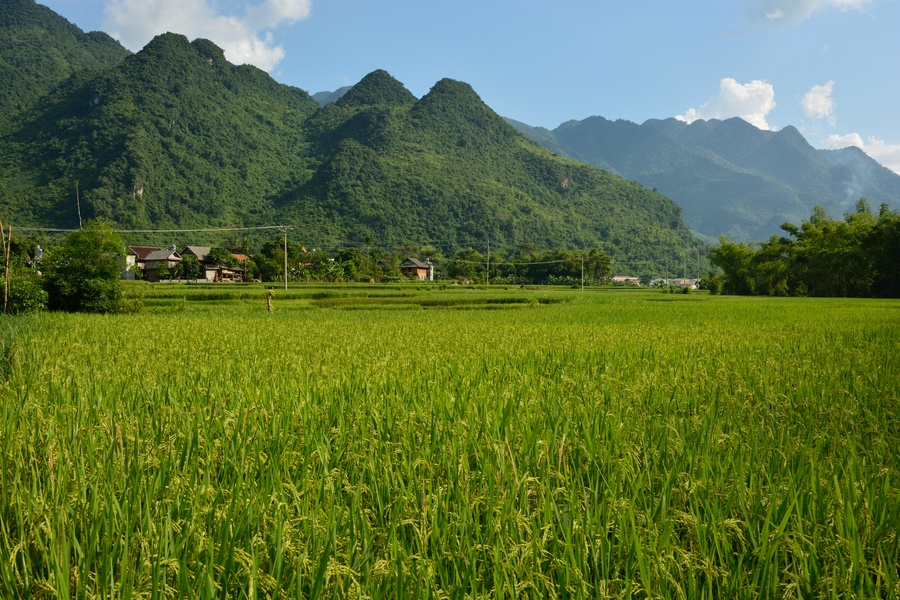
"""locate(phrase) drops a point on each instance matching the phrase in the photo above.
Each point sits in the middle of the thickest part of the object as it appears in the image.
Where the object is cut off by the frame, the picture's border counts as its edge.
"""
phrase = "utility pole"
(582, 272)
(78, 204)
(7, 243)
(285, 259)
(487, 273)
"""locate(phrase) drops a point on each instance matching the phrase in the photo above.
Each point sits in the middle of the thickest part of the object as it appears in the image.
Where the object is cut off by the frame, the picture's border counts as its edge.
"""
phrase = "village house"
(626, 280)
(159, 260)
(210, 269)
(136, 256)
(148, 260)
(201, 253)
(691, 284)
(414, 268)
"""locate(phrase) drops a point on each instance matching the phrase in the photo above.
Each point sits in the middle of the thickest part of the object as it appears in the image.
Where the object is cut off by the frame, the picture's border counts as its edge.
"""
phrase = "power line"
(260, 228)
(216, 229)
(520, 264)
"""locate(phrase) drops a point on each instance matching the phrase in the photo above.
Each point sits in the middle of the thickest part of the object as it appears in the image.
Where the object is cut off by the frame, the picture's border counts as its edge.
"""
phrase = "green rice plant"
(608, 446)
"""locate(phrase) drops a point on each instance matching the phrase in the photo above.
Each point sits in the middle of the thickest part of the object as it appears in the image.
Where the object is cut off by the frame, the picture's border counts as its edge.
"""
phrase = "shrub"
(25, 296)
(84, 273)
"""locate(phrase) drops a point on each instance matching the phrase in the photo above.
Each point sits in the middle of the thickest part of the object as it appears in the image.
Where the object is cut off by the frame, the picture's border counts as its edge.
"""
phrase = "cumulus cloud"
(818, 103)
(836, 142)
(885, 153)
(782, 12)
(246, 39)
(750, 101)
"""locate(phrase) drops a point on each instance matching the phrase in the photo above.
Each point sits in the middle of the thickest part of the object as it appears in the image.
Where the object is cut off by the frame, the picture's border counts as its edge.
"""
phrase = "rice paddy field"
(372, 442)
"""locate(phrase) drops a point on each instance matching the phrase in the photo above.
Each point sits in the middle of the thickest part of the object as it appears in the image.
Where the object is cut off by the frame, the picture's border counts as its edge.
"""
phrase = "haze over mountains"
(728, 176)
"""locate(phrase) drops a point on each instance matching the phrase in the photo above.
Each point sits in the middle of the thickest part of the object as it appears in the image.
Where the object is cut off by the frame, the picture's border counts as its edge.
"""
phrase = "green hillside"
(39, 49)
(175, 137)
(448, 168)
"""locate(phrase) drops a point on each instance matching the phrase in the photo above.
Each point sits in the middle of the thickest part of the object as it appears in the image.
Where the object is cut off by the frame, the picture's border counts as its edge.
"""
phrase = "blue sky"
(831, 68)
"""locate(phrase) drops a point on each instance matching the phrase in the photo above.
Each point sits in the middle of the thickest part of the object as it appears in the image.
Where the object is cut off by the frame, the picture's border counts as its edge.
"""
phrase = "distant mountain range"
(176, 137)
(324, 98)
(727, 176)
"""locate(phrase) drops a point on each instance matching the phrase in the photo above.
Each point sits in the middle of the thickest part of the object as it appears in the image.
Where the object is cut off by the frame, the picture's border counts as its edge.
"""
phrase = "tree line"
(84, 271)
(858, 255)
(528, 265)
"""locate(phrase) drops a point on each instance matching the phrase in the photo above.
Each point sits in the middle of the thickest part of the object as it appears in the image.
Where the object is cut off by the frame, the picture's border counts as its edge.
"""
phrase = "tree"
(773, 266)
(190, 268)
(597, 266)
(467, 265)
(856, 256)
(222, 257)
(735, 261)
(84, 272)
(885, 247)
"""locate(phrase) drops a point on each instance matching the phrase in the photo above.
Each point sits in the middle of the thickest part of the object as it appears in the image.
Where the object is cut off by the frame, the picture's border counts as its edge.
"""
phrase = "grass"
(597, 445)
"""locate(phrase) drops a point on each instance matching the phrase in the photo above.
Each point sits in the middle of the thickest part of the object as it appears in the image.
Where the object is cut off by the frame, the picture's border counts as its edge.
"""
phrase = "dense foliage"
(856, 256)
(527, 265)
(83, 274)
(173, 137)
(39, 50)
(26, 294)
(176, 137)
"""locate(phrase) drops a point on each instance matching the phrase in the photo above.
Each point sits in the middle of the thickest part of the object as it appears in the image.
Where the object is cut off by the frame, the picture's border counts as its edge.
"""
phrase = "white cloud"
(835, 142)
(751, 101)
(791, 11)
(885, 153)
(818, 103)
(244, 40)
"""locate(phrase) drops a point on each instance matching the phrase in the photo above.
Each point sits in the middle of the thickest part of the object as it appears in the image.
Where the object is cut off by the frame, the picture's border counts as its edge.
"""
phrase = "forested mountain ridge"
(727, 175)
(40, 49)
(174, 136)
(446, 167)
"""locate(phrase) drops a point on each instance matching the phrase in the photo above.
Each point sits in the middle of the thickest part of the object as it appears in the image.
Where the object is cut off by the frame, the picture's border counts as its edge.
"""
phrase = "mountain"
(324, 98)
(175, 137)
(727, 175)
(40, 49)
(447, 168)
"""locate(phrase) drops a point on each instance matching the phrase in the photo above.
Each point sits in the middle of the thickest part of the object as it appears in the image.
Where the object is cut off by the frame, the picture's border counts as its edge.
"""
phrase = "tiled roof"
(142, 251)
(200, 252)
(163, 255)
(413, 262)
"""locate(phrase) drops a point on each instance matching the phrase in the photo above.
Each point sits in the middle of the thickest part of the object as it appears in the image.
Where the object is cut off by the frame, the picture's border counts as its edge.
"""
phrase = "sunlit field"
(368, 442)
